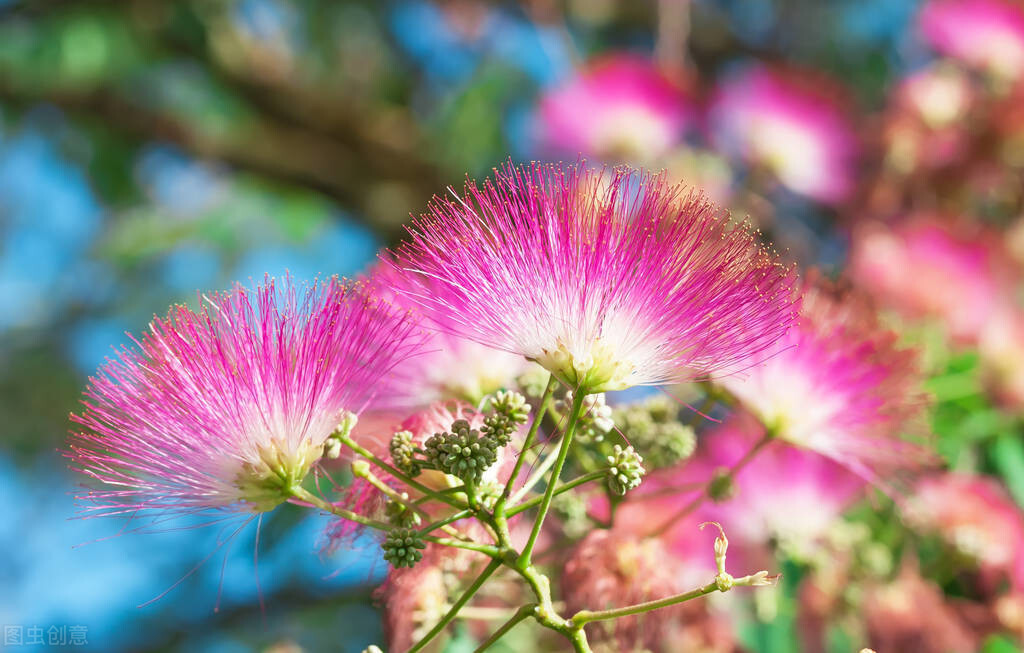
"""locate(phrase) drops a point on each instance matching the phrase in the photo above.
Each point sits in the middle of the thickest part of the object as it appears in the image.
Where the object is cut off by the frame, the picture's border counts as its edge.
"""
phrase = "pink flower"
(607, 280)
(986, 34)
(230, 406)
(974, 515)
(785, 495)
(621, 107)
(927, 266)
(840, 385)
(449, 366)
(791, 124)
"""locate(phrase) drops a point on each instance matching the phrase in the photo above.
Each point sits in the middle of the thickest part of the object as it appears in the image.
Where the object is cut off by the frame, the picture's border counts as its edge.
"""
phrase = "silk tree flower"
(976, 516)
(619, 108)
(449, 367)
(840, 385)
(608, 279)
(229, 406)
(984, 34)
(959, 272)
(814, 491)
(790, 123)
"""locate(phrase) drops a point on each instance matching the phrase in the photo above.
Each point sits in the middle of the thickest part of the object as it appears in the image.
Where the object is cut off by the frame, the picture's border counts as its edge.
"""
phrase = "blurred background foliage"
(150, 149)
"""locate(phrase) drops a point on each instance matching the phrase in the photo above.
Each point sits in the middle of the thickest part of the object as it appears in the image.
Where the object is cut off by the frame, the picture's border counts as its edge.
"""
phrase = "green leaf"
(1008, 457)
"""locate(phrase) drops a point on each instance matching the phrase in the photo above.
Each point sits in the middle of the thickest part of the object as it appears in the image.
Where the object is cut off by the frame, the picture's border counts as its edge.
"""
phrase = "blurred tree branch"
(366, 156)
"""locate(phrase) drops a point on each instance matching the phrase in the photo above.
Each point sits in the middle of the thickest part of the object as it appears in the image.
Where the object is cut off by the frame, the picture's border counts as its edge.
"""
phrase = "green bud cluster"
(401, 515)
(596, 420)
(652, 426)
(403, 453)
(625, 470)
(463, 453)
(509, 410)
(403, 547)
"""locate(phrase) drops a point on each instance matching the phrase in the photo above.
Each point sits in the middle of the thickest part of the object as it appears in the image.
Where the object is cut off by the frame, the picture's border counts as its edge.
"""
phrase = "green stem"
(699, 499)
(305, 495)
(486, 549)
(564, 487)
(395, 496)
(463, 600)
(531, 435)
(405, 478)
(535, 478)
(586, 616)
(549, 493)
(462, 514)
(522, 613)
(578, 638)
(583, 617)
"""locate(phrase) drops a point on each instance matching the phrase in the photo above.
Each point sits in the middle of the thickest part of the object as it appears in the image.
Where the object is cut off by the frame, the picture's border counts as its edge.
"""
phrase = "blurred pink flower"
(926, 125)
(784, 494)
(1002, 353)
(939, 95)
(986, 34)
(616, 568)
(976, 516)
(841, 385)
(928, 266)
(619, 108)
(415, 599)
(912, 614)
(791, 123)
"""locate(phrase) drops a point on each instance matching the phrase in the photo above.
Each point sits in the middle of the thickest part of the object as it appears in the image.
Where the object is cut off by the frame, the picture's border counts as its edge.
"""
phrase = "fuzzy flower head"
(838, 384)
(620, 108)
(229, 407)
(791, 125)
(984, 34)
(607, 279)
(449, 367)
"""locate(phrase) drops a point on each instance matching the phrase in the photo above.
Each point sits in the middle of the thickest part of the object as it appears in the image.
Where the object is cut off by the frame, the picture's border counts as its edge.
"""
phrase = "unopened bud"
(346, 424)
(332, 448)
(360, 468)
(721, 546)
